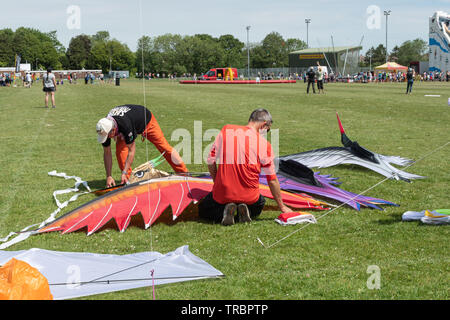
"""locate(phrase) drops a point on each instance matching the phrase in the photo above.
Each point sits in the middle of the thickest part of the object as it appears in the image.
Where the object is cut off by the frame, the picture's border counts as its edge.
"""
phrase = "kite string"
(342, 204)
(145, 105)
(153, 282)
(146, 142)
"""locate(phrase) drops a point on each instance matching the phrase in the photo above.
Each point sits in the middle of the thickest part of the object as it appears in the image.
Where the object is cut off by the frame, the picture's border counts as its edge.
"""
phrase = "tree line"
(169, 53)
(408, 51)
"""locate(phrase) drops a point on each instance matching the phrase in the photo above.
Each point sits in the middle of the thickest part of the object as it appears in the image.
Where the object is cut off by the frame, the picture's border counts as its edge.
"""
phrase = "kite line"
(342, 204)
(141, 25)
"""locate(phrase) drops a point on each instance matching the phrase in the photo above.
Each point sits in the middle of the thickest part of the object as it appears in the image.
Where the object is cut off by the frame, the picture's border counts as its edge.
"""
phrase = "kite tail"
(344, 139)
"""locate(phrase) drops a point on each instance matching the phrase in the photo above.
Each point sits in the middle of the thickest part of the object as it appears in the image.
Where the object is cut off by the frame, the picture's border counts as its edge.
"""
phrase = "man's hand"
(124, 178)
(274, 186)
(110, 182)
(286, 209)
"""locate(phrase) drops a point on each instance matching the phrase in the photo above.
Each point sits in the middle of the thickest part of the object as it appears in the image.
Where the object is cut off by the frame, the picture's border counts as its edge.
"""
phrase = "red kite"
(151, 198)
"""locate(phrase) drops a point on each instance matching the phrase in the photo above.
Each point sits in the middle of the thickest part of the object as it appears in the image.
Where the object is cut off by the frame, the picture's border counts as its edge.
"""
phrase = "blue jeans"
(409, 86)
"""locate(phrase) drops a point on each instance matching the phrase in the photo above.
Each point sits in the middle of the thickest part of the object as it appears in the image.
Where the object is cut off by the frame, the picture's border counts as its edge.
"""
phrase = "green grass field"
(328, 260)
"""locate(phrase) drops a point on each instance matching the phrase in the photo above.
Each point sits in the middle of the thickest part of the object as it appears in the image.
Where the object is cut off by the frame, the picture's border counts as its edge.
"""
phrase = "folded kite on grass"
(438, 216)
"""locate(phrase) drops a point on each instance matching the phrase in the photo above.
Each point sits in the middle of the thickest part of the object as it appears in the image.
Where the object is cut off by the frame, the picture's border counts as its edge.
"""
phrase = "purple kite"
(295, 177)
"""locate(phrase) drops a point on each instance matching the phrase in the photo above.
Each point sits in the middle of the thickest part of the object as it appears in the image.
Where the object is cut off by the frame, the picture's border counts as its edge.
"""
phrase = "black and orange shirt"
(131, 121)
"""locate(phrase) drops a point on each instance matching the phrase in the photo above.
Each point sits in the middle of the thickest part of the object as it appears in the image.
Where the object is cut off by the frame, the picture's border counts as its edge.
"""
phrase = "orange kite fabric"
(20, 281)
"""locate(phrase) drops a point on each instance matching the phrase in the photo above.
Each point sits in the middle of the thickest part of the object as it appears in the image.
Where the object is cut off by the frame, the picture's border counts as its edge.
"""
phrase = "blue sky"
(345, 20)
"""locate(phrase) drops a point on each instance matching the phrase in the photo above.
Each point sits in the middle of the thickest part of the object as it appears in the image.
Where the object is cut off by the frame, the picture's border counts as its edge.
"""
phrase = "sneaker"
(228, 214)
(244, 214)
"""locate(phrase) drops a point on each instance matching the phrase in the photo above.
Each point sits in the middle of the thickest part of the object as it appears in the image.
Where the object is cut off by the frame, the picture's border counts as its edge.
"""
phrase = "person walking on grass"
(410, 80)
(49, 87)
(123, 124)
(237, 157)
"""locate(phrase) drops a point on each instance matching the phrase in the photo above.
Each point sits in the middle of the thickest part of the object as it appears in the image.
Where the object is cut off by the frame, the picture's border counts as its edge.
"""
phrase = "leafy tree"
(100, 36)
(144, 55)
(122, 58)
(36, 47)
(415, 50)
(273, 51)
(379, 55)
(394, 55)
(233, 51)
(165, 52)
(6, 48)
(273, 45)
(199, 53)
(79, 52)
(294, 45)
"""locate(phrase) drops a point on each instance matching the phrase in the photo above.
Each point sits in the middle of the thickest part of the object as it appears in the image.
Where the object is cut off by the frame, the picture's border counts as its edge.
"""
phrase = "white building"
(439, 43)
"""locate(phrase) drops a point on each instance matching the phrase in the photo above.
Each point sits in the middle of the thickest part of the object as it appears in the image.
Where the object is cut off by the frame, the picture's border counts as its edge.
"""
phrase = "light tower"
(307, 21)
(248, 54)
(387, 13)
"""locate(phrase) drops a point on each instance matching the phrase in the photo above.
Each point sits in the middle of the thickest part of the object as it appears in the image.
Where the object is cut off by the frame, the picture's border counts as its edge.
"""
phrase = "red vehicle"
(220, 74)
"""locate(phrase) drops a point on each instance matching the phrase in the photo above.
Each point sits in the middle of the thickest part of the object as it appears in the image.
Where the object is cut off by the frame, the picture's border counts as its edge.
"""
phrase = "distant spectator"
(311, 75)
(49, 87)
(28, 80)
(320, 79)
(410, 80)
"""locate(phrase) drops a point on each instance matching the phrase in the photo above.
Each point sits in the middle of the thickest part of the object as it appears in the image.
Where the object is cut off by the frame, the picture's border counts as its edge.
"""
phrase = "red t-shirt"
(241, 155)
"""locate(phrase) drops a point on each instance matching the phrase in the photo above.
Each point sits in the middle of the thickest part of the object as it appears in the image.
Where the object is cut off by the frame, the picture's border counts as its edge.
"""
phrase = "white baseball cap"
(104, 126)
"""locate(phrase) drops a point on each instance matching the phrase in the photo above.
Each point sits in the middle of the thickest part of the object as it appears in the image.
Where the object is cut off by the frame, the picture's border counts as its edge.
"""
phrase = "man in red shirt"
(237, 158)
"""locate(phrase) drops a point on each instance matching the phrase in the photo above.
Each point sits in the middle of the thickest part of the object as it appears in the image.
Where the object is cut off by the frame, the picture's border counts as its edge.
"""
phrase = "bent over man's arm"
(107, 159)
(274, 186)
(129, 162)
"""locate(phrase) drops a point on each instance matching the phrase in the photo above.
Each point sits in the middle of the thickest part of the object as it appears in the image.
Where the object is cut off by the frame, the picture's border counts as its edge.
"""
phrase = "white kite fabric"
(292, 218)
(439, 216)
(24, 233)
(78, 274)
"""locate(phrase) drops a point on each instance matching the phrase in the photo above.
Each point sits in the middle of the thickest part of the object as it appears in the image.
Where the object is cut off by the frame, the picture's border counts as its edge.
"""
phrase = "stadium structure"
(343, 60)
(439, 42)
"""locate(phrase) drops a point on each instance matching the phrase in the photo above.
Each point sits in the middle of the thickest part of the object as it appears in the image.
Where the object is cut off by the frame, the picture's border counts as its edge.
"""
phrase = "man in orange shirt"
(237, 158)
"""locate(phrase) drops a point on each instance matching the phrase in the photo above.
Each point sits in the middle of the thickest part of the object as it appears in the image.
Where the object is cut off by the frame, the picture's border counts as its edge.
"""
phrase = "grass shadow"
(392, 219)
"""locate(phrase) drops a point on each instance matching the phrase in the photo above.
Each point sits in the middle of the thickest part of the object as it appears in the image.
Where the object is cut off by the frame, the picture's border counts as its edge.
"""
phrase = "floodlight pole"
(248, 54)
(307, 21)
(387, 13)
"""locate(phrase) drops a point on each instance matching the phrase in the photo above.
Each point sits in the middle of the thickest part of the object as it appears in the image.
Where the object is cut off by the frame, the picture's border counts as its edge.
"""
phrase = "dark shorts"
(320, 84)
(52, 89)
(209, 209)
